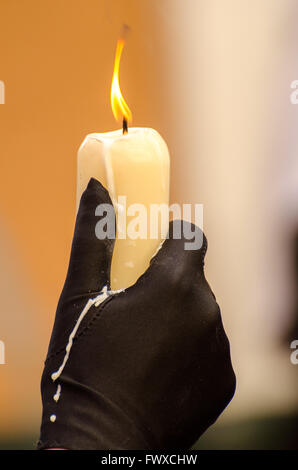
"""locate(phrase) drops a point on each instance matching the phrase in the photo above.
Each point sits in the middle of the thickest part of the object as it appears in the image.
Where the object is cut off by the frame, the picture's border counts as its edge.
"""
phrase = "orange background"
(213, 77)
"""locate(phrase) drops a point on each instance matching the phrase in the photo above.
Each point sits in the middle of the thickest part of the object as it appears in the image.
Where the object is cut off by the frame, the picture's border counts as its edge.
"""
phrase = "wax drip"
(101, 297)
(96, 301)
(58, 393)
(109, 170)
(119, 208)
(158, 248)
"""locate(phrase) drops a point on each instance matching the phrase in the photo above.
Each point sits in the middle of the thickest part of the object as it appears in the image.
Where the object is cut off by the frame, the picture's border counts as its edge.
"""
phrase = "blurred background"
(213, 77)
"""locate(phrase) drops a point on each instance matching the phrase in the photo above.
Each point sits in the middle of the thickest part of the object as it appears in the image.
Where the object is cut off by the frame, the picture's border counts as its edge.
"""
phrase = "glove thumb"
(93, 242)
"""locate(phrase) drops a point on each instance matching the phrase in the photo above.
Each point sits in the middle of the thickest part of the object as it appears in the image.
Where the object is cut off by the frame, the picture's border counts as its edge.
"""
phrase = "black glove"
(146, 368)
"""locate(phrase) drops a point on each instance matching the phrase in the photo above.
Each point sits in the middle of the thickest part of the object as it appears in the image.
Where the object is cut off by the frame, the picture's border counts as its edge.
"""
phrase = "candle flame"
(119, 105)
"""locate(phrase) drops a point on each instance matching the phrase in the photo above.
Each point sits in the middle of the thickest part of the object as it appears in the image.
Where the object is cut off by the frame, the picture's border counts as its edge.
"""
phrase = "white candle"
(136, 166)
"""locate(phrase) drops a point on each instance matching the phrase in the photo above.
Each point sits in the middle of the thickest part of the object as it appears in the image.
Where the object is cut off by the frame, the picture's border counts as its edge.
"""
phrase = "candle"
(133, 165)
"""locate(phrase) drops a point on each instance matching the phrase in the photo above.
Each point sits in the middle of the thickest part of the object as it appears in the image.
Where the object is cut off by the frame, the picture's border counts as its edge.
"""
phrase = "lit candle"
(134, 165)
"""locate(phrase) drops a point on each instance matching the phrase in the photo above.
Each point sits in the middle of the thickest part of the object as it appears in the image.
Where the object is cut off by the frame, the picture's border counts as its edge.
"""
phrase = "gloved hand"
(146, 368)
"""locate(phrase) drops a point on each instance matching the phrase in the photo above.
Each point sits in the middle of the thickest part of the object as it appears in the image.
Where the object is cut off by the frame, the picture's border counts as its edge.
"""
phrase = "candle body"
(135, 169)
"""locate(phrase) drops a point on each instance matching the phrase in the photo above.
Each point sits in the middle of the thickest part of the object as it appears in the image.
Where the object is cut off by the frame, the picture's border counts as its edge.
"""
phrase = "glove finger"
(90, 259)
(180, 260)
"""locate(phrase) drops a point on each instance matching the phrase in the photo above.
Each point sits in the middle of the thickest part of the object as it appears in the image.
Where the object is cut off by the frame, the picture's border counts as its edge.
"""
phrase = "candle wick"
(124, 126)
